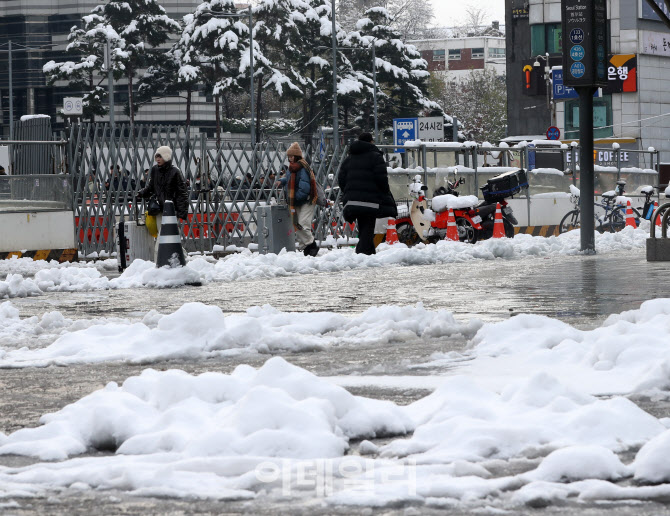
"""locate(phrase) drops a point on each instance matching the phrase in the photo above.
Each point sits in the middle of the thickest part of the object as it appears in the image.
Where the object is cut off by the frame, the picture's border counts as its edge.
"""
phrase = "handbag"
(153, 208)
(321, 199)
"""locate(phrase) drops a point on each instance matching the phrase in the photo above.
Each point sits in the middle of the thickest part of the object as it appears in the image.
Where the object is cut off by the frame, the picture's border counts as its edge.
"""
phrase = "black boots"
(311, 250)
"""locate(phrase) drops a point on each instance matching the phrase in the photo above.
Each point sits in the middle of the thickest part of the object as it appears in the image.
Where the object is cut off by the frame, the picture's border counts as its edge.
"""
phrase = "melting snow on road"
(245, 266)
(521, 394)
(197, 331)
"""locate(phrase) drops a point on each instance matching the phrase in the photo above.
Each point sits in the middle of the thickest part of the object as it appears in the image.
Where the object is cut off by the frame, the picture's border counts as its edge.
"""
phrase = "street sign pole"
(586, 174)
(585, 51)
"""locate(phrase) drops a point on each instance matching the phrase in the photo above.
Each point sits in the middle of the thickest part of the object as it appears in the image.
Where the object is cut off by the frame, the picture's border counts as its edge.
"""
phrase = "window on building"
(546, 38)
(454, 54)
(438, 55)
(602, 118)
(497, 53)
(477, 53)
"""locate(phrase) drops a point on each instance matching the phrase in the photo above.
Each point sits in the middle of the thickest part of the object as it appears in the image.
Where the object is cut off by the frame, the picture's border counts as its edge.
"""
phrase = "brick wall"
(466, 62)
(433, 66)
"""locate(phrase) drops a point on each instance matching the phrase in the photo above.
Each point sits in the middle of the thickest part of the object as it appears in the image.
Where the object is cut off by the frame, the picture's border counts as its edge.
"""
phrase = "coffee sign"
(585, 44)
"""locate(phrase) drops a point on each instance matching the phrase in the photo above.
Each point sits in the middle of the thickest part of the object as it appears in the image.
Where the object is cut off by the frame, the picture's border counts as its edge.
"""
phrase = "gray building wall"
(526, 115)
(46, 24)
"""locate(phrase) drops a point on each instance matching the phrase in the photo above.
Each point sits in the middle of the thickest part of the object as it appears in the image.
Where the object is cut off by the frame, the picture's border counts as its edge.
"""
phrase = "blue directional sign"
(577, 52)
(561, 91)
(577, 70)
(576, 36)
(584, 26)
(404, 130)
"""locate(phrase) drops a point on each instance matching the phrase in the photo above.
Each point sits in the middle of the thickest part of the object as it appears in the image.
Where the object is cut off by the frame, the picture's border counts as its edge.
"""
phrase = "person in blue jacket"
(301, 194)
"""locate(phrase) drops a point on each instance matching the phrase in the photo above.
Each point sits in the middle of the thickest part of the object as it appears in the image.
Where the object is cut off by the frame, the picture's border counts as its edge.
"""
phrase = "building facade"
(38, 32)
(455, 58)
(635, 106)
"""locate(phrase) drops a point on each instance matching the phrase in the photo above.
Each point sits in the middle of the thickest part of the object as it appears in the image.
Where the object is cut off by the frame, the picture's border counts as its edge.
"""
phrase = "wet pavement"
(579, 290)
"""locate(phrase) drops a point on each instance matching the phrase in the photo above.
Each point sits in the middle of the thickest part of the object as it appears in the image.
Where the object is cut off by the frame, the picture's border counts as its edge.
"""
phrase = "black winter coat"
(167, 184)
(363, 179)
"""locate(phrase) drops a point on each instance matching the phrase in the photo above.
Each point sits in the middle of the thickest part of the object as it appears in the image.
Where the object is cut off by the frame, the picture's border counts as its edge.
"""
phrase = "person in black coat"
(167, 183)
(365, 186)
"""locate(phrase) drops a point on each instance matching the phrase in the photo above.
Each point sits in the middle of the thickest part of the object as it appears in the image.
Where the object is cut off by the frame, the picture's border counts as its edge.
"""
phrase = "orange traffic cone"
(391, 233)
(630, 218)
(658, 219)
(498, 226)
(452, 229)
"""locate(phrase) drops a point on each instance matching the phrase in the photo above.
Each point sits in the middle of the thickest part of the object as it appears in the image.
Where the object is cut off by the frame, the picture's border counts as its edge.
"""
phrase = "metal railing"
(36, 192)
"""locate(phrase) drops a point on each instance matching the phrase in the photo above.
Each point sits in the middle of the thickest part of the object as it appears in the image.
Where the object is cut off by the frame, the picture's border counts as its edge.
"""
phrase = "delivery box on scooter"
(505, 185)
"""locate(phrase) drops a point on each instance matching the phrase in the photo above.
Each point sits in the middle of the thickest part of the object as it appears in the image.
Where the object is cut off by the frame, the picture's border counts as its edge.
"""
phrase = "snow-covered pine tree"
(312, 68)
(276, 49)
(402, 74)
(86, 73)
(215, 49)
(144, 26)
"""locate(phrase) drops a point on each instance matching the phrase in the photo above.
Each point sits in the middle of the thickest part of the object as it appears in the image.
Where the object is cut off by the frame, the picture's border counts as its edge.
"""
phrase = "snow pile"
(453, 202)
(39, 331)
(279, 410)
(197, 331)
(30, 267)
(252, 266)
(70, 279)
(628, 353)
(463, 421)
(145, 274)
(16, 286)
(184, 435)
(578, 463)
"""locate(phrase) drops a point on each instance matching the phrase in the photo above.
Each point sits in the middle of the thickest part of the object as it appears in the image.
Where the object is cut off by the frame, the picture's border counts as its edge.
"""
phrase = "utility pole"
(585, 50)
(110, 85)
(374, 85)
(251, 64)
(336, 129)
(11, 95)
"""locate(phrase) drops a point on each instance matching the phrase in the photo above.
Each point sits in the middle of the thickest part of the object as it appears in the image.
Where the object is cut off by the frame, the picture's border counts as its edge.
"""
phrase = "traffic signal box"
(532, 79)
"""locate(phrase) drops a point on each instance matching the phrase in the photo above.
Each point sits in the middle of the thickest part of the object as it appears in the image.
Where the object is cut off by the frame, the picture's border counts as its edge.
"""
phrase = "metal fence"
(37, 191)
(226, 182)
(32, 151)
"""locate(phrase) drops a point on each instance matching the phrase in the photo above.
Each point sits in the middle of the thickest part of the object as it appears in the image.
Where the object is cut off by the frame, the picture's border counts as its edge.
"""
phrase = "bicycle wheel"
(569, 222)
(616, 220)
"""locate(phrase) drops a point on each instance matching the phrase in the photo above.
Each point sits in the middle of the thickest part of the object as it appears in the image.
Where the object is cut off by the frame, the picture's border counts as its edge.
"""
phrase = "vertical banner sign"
(585, 44)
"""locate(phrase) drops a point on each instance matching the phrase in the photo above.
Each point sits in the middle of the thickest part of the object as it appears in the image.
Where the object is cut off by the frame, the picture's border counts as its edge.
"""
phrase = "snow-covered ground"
(27, 278)
(197, 331)
(530, 390)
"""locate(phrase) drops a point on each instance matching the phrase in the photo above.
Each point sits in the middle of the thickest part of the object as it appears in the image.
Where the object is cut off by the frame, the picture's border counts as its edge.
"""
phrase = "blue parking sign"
(404, 130)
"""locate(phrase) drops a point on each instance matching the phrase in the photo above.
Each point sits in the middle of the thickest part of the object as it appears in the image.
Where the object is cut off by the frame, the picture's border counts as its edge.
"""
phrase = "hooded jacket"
(363, 179)
(168, 184)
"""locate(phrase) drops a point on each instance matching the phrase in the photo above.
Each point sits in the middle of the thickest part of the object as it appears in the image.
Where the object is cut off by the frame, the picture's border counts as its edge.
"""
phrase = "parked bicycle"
(609, 215)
